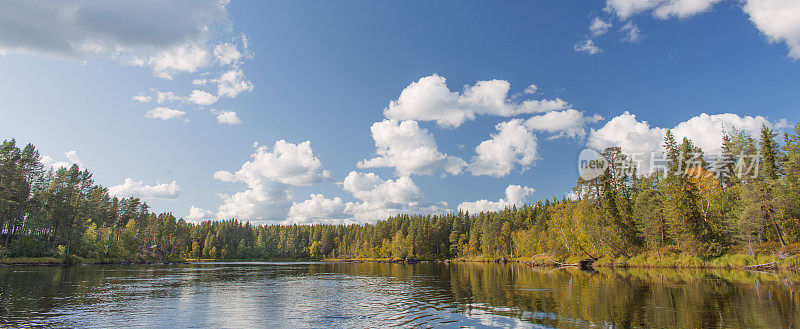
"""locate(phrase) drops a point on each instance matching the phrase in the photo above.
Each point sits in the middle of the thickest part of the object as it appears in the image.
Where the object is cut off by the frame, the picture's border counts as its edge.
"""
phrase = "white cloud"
(567, 123)
(72, 158)
(531, 89)
(512, 145)
(185, 58)
(706, 131)
(232, 83)
(515, 196)
(625, 131)
(318, 209)
(776, 19)
(142, 98)
(227, 54)
(227, 118)
(168, 37)
(262, 201)
(371, 188)
(377, 199)
(164, 113)
(380, 199)
(429, 99)
(166, 96)
(267, 176)
(293, 164)
(632, 32)
(662, 9)
(137, 189)
(197, 214)
(587, 46)
(410, 149)
(202, 98)
(779, 20)
(682, 8)
(599, 27)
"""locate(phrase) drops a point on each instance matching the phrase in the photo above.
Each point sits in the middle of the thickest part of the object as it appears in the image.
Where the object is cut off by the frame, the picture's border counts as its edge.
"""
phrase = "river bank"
(764, 258)
(70, 261)
(773, 261)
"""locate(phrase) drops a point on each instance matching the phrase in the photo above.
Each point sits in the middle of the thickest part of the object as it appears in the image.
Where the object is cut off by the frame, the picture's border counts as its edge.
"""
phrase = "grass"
(787, 258)
(30, 261)
(77, 260)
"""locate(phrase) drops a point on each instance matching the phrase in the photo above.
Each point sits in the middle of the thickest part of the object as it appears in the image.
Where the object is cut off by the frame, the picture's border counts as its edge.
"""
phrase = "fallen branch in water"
(564, 264)
(771, 265)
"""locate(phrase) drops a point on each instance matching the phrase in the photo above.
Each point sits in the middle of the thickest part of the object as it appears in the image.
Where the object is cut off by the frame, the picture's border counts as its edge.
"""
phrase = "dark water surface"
(299, 295)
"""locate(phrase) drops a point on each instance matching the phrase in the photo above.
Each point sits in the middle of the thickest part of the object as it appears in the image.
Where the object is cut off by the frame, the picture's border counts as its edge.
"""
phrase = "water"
(301, 295)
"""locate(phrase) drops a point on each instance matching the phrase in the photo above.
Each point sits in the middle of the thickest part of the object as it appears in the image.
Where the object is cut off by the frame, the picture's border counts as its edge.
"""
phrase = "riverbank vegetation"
(696, 210)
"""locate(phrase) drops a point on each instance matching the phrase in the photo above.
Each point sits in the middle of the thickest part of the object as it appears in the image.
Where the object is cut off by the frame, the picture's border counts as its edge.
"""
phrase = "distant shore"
(671, 261)
(55, 261)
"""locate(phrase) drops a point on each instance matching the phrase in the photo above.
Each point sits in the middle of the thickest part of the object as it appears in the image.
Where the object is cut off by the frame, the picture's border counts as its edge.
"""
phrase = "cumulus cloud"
(640, 138)
(662, 9)
(202, 98)
(185, 58)
(227, 54)
(141, 98)
(232, 83)
(318, 209)
(429, 99)
(512, 145)
(410, 149)
(262, 201)
(268, 176)
(778, 21)
(131, 188)
(227, 118)
(587, 46)
(292, 164)
(167, 37)
(166, 96)
(625, 131)
(164, 113)
(515, 196)
(599, 27)
(567, 123)
(376, 199)
(380, 198)
(197, 214)
(72, 158)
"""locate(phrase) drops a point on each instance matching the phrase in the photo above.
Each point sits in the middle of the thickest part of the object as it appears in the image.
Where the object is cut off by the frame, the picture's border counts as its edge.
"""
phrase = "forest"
(708, 208)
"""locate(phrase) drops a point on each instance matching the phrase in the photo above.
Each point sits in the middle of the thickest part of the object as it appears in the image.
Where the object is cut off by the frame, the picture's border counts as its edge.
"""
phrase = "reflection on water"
(369, 295)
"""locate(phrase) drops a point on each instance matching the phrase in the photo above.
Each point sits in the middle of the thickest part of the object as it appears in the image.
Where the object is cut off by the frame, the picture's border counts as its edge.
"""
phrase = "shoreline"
(53, 261)
(768, 264)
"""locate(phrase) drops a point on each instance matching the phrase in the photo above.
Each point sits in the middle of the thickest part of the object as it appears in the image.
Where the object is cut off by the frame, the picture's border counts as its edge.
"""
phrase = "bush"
(29, 246)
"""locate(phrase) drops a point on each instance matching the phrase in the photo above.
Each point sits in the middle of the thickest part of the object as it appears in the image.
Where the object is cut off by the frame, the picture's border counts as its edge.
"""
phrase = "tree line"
(694, 203)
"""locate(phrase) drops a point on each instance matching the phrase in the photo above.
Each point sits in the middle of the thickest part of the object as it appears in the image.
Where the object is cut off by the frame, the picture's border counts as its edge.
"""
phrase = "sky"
(352, 111)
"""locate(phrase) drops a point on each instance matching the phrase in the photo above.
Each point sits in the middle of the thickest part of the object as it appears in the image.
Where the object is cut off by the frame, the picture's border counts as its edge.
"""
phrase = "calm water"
(298, 295)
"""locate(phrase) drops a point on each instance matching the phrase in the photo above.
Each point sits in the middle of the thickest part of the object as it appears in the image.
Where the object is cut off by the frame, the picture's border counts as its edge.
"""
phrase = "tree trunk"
(777, 227)
(768, 207)
(8, 236)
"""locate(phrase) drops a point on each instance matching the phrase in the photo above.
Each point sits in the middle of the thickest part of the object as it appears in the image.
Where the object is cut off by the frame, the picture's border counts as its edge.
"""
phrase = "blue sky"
(324, 72)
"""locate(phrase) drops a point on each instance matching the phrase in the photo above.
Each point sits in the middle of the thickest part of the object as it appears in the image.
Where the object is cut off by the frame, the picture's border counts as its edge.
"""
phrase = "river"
(368, 295)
